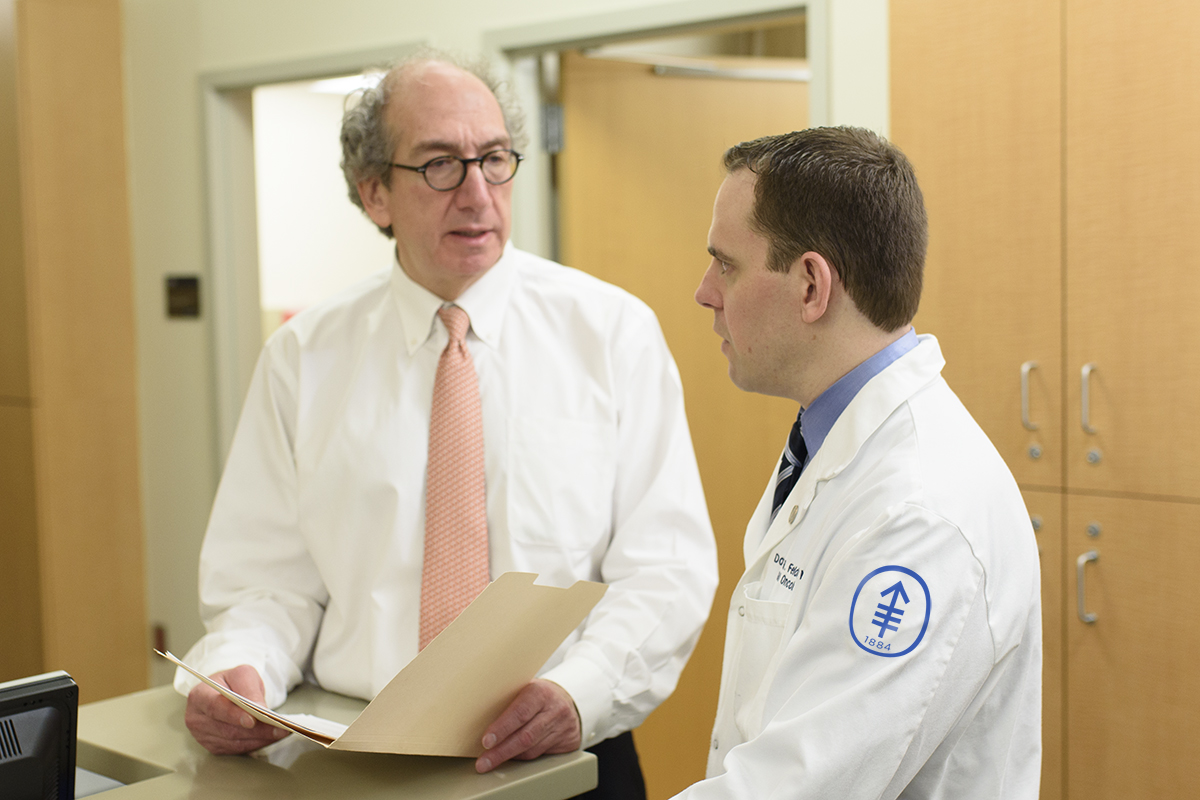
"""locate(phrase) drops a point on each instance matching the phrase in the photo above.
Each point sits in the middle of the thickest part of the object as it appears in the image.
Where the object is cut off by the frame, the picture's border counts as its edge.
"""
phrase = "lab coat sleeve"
(840, 721)
(261, 595)
(660, 564)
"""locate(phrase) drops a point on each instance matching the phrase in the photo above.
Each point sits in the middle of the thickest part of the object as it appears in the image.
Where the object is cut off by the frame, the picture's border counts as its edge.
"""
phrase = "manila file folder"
(443, 700)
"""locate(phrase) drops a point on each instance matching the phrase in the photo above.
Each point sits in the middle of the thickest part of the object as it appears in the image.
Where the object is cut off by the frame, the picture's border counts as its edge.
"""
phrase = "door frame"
(848, 55)
(841, 33)
(232, 220)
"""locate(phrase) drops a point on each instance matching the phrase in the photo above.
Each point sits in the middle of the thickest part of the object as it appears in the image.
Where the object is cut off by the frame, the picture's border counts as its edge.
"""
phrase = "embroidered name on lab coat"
(889, 613)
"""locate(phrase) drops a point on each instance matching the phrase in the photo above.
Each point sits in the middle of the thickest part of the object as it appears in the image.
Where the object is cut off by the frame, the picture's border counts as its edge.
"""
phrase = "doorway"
(644, 127)
(312, 241)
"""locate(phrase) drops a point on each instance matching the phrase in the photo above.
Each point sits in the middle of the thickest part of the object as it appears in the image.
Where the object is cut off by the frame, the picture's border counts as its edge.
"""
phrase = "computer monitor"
(38, 716)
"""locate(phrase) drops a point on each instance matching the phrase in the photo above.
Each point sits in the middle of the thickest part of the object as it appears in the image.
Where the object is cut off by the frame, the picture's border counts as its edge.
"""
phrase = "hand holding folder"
(443, 700)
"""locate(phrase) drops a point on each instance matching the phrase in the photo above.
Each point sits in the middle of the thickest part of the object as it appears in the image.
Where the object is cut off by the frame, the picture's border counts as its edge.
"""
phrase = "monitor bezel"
(49, 690)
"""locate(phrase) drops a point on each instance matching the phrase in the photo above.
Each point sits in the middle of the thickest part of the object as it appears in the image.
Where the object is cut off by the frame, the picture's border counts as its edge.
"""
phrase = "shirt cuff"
(589, 688)
(208, 657)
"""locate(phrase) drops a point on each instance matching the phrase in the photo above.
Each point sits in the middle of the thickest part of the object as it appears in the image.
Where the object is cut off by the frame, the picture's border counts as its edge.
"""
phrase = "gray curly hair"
(368, 144)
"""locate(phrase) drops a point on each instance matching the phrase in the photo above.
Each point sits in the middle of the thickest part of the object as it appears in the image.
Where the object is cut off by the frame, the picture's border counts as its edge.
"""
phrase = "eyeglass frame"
(466, 162)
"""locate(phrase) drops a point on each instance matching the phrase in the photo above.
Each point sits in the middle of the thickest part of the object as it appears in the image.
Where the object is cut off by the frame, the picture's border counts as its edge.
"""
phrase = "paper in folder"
(441, 703)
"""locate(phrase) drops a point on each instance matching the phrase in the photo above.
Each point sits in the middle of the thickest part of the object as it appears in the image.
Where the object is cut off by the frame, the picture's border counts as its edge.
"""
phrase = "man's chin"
(737, 379)
(472, 255)
(745, 382)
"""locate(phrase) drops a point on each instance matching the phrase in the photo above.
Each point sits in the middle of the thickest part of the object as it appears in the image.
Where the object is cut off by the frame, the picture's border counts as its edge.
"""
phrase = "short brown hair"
(851, 196)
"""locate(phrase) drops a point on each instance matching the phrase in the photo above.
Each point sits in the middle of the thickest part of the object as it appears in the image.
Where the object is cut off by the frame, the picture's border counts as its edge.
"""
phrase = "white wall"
(169, 46)
(312, 241)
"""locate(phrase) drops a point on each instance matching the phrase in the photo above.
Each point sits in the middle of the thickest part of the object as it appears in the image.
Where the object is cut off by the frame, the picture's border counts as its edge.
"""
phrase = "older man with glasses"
(472, 410)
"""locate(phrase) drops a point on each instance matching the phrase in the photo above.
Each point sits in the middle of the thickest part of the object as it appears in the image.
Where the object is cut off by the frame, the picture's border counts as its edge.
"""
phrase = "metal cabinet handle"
(1025, 369)
(1085, 411)
(1081, 593)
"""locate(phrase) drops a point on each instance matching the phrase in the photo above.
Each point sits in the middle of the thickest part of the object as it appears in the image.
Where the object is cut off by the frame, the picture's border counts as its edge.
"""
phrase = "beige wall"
(169, 46)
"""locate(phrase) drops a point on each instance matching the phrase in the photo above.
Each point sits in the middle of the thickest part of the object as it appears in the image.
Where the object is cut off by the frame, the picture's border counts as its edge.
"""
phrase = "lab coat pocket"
(561, 475)
(762, 623)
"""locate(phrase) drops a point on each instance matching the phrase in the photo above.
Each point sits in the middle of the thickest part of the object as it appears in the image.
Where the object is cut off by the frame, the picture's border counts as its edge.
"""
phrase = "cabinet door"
(976, 106)
(1132, 249)
(1045, 510)
(1133, 710)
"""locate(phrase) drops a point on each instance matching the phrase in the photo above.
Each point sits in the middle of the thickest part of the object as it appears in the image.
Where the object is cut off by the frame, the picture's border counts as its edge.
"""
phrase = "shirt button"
(792, 516)
(716, 745)
(741, 611)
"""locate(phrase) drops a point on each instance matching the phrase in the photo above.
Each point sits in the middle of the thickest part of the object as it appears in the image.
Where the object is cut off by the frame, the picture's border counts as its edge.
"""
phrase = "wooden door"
(1046, 513)
(1133, 711)
(1132, 249)
(637, 178)
(976, 106)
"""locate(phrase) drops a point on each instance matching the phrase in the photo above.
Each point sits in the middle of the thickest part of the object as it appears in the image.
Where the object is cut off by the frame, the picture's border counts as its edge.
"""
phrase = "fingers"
(219, 725)
(541, 719)
(246, 681)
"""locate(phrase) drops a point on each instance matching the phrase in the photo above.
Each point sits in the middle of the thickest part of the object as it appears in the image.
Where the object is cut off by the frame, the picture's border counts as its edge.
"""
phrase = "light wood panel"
(14, 345)
(20, 622)
(976, 106)
(1046, 512)
(82, 365)
(1134, 720)
(1133, 254)
(20, 599)
(637, 179)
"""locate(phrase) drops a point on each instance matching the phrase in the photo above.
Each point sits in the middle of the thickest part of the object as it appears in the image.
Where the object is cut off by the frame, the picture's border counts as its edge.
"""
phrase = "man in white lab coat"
(885, 639)
(552, 409)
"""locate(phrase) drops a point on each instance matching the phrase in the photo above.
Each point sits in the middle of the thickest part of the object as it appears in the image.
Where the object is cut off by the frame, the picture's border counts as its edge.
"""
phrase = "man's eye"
(724, 267)
(440, 163)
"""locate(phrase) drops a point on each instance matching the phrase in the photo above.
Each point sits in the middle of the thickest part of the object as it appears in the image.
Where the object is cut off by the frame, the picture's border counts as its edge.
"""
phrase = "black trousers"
(620, 773)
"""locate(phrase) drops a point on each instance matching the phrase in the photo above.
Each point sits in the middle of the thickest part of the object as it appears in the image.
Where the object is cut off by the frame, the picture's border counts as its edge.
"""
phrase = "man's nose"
(473, 191)
(706, 293)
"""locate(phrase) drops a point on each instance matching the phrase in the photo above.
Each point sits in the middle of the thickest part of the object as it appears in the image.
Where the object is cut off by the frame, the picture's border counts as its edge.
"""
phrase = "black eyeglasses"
(446, 173)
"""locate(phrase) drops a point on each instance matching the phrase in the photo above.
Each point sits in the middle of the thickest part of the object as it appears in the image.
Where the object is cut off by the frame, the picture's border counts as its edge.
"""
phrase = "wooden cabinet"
(71, 540)
(1055, 145)
(1134, 722)
(976, 107)
(1132, 199)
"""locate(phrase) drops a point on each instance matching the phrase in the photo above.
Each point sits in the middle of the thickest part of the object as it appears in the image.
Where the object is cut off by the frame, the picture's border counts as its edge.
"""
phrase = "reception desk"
(140, 740)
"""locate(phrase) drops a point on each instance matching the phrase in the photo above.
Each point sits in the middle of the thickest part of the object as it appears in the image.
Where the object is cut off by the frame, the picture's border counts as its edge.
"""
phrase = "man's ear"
(375, 197)
(817, 278)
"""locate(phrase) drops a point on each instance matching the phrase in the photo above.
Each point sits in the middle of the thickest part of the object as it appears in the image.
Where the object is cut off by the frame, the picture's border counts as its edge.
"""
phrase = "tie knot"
(456, 322)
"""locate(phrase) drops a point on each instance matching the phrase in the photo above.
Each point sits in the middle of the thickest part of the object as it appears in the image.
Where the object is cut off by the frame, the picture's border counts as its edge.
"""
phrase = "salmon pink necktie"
(456, 540)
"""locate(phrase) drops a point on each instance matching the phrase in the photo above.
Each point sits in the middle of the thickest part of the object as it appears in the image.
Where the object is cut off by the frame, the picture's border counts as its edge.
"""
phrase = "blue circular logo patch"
(890, 612)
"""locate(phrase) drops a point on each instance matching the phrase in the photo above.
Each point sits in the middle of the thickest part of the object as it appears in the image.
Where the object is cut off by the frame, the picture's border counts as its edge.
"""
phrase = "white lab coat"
(838, 684)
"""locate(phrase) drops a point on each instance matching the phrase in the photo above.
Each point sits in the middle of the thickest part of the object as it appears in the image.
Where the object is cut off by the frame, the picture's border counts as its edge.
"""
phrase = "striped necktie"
(790, 466)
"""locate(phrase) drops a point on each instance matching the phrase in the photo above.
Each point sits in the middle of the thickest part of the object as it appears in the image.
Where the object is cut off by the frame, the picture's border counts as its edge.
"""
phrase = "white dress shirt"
(311, 565)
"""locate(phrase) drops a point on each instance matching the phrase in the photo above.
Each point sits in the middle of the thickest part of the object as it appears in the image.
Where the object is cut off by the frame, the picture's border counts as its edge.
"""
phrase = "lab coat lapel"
(757, 528)
(874, 403)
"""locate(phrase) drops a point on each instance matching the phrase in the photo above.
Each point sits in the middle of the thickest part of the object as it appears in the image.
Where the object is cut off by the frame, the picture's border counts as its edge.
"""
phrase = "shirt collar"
(817, 420)
(484, 301)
